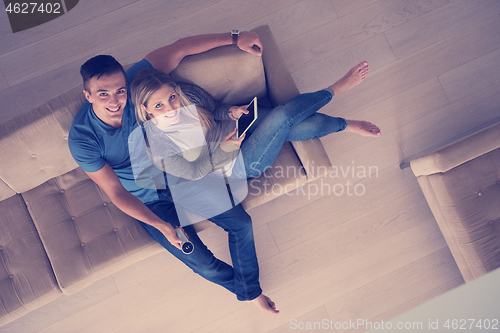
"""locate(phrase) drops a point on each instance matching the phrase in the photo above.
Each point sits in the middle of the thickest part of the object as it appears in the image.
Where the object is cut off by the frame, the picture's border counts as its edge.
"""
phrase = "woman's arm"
(202, 99)
(168, 157)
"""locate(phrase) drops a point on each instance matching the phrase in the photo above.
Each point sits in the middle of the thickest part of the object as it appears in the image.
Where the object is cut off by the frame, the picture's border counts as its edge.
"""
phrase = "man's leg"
(201, 260)
(238, 224)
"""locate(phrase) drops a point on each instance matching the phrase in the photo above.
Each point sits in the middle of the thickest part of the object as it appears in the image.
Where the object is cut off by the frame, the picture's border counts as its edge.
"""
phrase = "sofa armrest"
(280, 84)
(280, 88)
(458, 152)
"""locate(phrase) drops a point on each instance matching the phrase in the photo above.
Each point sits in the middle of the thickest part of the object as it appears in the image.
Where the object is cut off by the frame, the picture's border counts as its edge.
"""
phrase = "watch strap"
(235, 34)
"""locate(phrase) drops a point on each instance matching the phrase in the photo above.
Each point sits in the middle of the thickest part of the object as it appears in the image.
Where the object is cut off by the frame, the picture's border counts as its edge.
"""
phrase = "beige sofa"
(59, 232)
(461, 183)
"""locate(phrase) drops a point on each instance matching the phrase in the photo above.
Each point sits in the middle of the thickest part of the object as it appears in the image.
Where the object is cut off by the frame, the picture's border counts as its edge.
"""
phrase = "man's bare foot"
(363, 128)
(265, 304)
(354, 77)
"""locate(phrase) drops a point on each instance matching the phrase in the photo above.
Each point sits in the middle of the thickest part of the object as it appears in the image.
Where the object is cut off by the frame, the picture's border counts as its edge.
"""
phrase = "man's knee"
(243, 224)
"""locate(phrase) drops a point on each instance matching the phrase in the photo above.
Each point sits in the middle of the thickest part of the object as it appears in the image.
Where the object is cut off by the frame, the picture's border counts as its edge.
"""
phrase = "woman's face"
(164, 105)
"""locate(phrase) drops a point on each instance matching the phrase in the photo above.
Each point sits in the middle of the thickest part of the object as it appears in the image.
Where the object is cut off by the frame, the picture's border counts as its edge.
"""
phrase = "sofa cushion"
(228, 74)
(26, 277)
(86, 237)
(468, 198)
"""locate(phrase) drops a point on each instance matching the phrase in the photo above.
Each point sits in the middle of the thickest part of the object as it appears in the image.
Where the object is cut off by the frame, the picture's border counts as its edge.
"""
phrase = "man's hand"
(169, 232)
(249, 41)
(107, 179)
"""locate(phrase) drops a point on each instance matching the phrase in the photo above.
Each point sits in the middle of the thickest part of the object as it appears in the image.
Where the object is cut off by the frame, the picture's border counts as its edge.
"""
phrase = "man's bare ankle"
(265, 304)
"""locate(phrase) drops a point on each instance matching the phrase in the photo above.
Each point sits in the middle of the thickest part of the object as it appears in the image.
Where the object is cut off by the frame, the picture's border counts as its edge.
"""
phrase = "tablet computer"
(246, 120)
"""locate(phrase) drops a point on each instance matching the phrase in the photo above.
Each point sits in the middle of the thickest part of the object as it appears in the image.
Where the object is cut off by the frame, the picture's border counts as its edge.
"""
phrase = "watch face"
(187, 247)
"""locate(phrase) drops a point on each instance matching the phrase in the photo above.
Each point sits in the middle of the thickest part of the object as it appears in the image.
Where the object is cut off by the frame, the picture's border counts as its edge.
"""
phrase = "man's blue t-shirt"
(94, 143)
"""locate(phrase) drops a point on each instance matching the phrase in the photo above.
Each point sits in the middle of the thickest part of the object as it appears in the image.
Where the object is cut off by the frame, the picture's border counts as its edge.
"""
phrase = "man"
(98, 141)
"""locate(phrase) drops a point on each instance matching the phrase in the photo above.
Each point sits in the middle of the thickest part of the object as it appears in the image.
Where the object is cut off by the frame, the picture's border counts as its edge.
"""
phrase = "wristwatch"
(235, 34)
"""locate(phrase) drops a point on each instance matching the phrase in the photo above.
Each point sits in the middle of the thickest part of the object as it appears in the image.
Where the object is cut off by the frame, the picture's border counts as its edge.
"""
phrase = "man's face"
(108, 95)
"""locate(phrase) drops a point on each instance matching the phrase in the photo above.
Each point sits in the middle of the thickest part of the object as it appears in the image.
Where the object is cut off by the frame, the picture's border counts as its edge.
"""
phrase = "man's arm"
(168, 57)
(107, 179)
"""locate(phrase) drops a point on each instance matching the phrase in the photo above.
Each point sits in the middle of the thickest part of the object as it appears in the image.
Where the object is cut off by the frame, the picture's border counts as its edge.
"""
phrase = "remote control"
(187, 246)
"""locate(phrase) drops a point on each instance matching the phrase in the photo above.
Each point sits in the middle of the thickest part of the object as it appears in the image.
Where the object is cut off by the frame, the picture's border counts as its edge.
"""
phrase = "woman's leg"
(262, 147)
(314, 126)
(297, 120)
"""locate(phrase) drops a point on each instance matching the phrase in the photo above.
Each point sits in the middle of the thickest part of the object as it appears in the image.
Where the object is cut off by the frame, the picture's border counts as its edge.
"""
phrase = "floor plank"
(340, 279)
(83, 12)
(422, 66)
(345, 7)
(68, 48)
(352, 29)
(392, 113)
(311, 320)
(381, 223)
(376, 51)
(471, 77)
(64, 306)
(222, 17)
(419, 300)
(454, 18)
(387, 292)
(449, 123)
(3, 82)
(296, 19)
(134, 303)
(290, 231)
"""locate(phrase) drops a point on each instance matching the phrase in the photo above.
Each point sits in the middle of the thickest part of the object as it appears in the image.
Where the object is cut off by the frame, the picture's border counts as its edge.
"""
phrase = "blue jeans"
(294, 120)
(243, 278)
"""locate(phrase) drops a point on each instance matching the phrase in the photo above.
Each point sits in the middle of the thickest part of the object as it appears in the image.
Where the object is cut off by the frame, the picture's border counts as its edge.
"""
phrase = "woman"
(189, 136)
(176, 129)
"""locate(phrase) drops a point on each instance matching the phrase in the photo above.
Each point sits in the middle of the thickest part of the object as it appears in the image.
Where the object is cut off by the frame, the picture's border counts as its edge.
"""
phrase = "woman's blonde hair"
(146, 82)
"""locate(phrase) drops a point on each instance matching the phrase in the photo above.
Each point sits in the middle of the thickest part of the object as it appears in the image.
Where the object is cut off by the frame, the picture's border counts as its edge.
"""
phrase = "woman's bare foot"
(363, 128)
(354, 77)
(265, 304)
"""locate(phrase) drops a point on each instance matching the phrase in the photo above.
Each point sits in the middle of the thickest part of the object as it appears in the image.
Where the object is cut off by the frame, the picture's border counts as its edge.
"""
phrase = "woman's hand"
(230, 144)
(235, 112)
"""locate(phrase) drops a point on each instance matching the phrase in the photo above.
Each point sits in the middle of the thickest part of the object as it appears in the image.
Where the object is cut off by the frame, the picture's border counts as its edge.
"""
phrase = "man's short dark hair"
(98, 66)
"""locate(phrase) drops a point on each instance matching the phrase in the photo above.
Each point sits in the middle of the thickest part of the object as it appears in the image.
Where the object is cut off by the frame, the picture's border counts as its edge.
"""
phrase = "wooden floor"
(352, 245)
